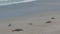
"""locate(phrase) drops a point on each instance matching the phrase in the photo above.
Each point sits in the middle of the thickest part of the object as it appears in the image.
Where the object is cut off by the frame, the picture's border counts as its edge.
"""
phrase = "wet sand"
(39, 25)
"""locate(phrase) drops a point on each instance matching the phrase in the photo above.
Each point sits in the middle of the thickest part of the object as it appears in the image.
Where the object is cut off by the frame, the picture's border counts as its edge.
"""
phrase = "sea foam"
(10, 3)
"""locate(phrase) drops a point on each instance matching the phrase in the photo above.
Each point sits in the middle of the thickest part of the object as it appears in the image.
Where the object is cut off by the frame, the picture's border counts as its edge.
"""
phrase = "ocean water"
(9, 2)
(11, 8)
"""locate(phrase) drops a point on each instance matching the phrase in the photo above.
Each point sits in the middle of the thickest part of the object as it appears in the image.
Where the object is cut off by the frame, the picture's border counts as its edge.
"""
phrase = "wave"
(10, 3)
(3, 0)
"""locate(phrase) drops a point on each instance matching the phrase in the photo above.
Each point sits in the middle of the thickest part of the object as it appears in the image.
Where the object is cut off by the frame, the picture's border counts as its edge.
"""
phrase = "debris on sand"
(30, 23)
(9, 24)
(52, 18)
(48, 21)
(17, 30)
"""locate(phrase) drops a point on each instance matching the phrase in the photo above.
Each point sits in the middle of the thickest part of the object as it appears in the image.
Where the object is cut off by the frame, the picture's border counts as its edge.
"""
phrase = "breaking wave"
(9, 2)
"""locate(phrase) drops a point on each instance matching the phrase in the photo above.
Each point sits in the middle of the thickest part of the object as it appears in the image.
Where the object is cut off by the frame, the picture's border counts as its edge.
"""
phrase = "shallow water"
(23, 9)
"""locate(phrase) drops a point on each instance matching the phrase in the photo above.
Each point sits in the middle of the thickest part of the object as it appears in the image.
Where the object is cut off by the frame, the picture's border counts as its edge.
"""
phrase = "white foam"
(4, 0)
(17, 2)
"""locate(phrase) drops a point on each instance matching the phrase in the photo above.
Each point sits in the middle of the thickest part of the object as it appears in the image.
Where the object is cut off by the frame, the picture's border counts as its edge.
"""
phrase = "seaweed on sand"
(52, 18)
(9, 24)
(30, 23)
(17, 30)
(48, 21)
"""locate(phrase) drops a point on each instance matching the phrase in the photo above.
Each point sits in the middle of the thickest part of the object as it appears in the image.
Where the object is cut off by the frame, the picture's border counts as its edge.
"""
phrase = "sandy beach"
(39, 25)
(32, 17)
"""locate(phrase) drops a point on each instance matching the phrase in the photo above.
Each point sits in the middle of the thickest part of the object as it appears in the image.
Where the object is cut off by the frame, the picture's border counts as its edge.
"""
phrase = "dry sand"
(39, 25)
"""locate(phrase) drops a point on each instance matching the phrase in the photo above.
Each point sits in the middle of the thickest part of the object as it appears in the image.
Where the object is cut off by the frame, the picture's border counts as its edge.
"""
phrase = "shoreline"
(38, 26)
(31, 16)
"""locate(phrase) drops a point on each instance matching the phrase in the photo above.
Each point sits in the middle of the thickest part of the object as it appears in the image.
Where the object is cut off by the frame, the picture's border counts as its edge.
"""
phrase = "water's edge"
(23, 9)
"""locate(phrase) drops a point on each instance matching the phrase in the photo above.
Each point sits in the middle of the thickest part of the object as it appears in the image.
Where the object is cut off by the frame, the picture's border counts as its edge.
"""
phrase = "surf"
(10, 3)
